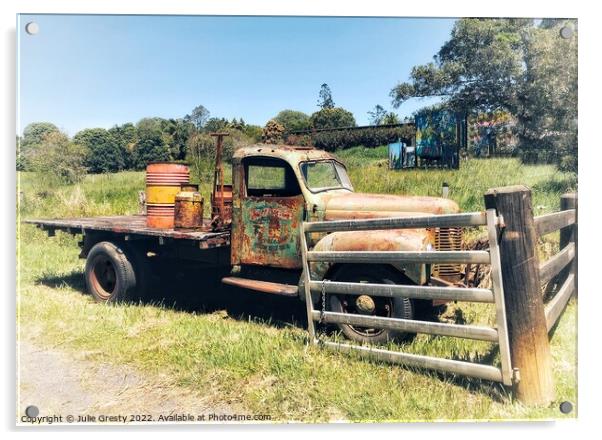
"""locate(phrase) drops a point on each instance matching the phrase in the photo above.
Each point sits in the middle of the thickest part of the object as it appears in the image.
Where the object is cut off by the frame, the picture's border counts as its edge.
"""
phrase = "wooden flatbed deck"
(132, 225)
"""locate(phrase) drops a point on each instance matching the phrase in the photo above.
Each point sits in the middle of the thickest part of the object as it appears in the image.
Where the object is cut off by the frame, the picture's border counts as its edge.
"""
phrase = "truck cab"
(275, 188)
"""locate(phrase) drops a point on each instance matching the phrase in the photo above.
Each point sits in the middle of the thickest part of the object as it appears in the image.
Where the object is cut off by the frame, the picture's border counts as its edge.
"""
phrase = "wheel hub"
(365, 305)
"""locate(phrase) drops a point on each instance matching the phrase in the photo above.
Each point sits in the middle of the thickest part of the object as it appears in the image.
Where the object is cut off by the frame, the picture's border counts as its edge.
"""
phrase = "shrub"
(59, 160)
(33, 137)
(303, 140)
(368, 137)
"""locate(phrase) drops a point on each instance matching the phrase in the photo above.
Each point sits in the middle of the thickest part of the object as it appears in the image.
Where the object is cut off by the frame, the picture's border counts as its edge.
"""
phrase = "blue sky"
(83, 71)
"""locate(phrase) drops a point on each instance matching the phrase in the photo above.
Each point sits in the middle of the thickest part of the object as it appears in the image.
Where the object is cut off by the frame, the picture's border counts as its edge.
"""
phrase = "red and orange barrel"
(163, 182)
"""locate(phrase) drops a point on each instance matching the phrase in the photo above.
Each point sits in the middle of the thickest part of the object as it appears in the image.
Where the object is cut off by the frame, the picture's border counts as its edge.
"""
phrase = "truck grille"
(448, 239)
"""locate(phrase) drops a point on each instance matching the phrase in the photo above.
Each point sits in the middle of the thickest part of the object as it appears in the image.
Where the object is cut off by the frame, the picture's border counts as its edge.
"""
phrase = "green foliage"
(368, 137)
(176, 132)
(332, 118)
(198, 117)
(390, 119)
(125, 136)
(200, 154)
(547, 106)
(293, 120)
(214, 125)
(32, 139)
(377, 116)
(253, 132)
(151, 145)
(57, 159)
(104, 154)
(272, 133)
(200, 150)
(325, 97)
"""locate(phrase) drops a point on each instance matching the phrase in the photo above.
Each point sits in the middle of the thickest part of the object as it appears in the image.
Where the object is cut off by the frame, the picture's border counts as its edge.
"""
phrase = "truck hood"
(363, 205)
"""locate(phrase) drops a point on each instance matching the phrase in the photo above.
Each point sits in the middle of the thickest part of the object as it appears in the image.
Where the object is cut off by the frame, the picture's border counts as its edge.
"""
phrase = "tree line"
(525, 68)
(43, 147)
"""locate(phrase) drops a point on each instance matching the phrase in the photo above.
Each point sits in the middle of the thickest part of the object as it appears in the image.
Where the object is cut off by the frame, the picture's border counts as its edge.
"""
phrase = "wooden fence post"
(569, 234)
(528, 335)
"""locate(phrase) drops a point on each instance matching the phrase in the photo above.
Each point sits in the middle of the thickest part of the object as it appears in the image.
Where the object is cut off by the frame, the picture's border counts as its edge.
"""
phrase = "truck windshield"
(324, 175)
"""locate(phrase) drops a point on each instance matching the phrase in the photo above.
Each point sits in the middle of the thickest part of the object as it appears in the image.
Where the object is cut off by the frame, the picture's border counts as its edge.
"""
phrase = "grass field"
(251, 350)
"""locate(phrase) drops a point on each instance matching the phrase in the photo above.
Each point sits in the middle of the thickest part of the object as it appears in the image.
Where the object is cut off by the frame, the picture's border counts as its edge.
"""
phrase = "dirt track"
(62, 384)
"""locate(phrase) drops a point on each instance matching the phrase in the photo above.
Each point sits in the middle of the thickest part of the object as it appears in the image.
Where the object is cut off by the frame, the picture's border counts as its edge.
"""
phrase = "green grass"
(263, 367)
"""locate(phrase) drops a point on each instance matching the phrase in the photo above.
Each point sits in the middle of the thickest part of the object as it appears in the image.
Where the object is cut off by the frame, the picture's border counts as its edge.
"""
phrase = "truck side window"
(268, 177)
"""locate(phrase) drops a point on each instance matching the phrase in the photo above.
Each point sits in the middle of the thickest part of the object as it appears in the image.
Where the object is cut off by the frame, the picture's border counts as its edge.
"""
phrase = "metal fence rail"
(552, 222)
(495, 295)
(407, 291)
(422, 221)
(552, 269)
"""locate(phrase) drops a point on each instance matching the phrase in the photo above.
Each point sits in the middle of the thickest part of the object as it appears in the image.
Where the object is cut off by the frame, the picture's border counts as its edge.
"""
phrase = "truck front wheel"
(110, 275)
(370, 305)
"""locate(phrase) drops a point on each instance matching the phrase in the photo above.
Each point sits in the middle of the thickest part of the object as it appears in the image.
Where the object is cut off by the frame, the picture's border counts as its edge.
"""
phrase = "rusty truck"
(254, 232)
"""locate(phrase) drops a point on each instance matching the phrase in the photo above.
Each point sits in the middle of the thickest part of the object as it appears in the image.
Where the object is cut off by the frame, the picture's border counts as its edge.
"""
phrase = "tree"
(104, 155)
(33, 137)
(214, 125)
(253, 132)
(332, 118)
(175, 133)
(125, 137)
(293, 120)
(272, 133)
(509, 65)
(151, 145)
(200, 153)
(377, 115)
(325, 97)
(547, 105)
(198, 116)
(477, 69)
(390, 119)
(58, 159)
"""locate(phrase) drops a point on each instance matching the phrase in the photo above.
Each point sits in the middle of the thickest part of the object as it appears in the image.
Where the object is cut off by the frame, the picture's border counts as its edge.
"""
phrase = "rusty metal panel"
(268, 232)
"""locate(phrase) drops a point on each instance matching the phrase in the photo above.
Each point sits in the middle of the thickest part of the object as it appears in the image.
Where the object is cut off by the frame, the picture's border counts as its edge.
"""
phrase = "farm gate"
(520, 315)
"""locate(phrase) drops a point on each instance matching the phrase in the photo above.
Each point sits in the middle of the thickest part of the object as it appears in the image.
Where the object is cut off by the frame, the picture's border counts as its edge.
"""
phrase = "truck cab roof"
(290, 153)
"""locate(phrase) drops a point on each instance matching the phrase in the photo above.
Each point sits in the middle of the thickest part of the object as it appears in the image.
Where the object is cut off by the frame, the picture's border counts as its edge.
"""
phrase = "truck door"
(265, 228)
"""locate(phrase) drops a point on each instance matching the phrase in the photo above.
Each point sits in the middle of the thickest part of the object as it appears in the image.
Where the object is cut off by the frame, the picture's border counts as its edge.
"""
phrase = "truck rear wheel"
(401, 308)
(110, 275)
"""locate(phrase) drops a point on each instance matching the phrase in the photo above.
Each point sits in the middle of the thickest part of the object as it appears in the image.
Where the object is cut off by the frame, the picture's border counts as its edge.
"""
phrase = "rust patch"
(269, 231)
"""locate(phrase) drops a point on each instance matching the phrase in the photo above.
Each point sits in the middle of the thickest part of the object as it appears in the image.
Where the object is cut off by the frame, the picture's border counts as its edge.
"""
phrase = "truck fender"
(380, 240)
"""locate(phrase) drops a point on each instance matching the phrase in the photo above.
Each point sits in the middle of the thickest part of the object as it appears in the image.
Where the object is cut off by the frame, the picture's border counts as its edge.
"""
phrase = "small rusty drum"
(188, 210)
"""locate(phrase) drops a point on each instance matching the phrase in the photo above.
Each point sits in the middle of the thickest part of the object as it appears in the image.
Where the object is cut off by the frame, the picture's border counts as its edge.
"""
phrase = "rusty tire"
(401, 308)
(110, 275)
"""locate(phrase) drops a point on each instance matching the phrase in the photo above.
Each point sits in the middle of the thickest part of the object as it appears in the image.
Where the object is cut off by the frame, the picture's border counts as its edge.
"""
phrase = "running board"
(262, 286)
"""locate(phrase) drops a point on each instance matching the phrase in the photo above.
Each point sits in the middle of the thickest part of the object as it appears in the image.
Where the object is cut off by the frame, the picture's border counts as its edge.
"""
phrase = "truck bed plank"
(132, 224)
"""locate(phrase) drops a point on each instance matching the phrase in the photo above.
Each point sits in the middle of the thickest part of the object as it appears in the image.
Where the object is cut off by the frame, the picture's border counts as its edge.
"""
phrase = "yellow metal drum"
(163, 181)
